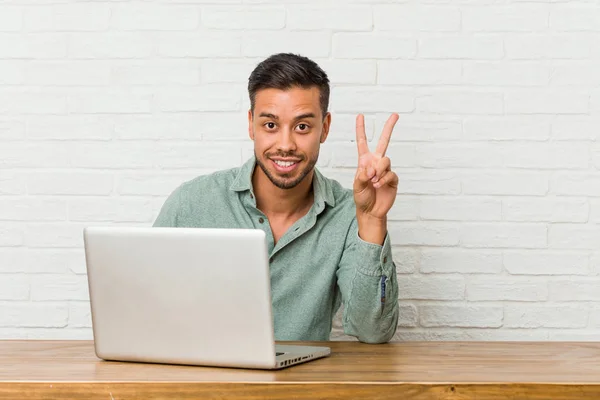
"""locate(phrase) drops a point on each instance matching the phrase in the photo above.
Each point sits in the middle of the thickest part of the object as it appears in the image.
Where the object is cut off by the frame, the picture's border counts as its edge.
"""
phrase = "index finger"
(384, 140)
(361, 137)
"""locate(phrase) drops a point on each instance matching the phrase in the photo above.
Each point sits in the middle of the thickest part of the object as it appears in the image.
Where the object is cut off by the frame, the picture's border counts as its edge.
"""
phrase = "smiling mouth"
(285, 164)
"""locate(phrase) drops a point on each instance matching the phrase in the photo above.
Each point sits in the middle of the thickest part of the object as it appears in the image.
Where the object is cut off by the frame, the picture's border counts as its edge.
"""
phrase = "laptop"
(185, 296)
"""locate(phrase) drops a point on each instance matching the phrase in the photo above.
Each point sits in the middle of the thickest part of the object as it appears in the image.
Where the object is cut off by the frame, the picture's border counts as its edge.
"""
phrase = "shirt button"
(384, 259)
(261, 220)
(251, 196)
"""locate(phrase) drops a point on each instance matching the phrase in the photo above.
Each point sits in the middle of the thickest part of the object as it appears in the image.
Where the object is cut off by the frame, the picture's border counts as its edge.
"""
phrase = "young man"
(327, 245)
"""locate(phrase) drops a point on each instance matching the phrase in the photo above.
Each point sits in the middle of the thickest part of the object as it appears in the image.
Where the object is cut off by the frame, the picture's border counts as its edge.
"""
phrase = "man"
(327, 245)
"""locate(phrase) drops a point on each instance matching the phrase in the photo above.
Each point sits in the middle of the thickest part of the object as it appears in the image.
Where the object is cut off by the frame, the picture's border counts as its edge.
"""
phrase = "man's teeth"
(284, 164)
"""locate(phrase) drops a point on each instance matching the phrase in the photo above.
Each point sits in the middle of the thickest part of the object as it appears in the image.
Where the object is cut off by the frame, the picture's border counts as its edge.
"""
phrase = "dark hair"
(284, 71)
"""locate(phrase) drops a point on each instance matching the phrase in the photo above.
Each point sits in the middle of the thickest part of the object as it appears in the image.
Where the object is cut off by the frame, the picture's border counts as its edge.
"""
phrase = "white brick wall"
(106, 107)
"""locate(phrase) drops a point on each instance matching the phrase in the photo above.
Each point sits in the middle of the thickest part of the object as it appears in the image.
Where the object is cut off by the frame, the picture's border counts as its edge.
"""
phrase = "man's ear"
(250, 122)
(326, 126)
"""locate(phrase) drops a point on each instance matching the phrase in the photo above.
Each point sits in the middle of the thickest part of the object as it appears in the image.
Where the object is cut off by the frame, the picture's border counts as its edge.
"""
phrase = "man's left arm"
(367, 280)
(367, 271)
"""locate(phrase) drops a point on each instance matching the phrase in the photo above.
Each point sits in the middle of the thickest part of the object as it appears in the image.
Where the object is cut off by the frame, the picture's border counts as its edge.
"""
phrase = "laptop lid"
(180, 295)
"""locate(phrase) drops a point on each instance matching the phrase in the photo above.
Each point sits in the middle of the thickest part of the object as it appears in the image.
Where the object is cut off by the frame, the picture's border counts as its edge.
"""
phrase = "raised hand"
(375, 184)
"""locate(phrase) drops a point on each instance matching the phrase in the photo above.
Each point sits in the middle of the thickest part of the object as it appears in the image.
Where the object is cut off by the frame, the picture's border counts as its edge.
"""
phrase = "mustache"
(288, 154)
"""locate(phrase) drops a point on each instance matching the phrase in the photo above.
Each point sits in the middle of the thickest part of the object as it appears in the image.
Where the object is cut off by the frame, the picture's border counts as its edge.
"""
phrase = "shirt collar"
(321, 185)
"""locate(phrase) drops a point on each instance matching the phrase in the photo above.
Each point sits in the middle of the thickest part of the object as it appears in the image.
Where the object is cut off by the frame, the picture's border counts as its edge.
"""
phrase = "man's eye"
(270, 125)
(303, 127)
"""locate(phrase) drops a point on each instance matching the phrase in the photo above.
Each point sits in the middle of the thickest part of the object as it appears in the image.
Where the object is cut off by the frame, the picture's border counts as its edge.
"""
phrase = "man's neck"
(284, 203)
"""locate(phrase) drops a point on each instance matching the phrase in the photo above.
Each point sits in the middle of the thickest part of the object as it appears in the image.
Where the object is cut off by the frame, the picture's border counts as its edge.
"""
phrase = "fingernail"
(376, 185)
(371, 172)
(374, 179)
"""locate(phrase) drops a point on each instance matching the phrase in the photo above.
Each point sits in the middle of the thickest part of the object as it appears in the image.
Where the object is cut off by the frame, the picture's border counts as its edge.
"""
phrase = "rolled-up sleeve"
(367, 280)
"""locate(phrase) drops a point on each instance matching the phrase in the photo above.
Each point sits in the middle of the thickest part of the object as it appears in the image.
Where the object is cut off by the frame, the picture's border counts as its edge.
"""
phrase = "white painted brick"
(343, 128)
(506, 183)
(547, 102)
(575, 290)
(110, 101)
(546, 156)
(373, 45)
(594, 264)
(582, 73)
(417, 72)
(227, 70)
(32, 209)
(14, 287)
(59, 287)
(31, 103)
(11, 18)
(459, 155)
(574, 236)
(113, 155)
(111, 209)
(11, 72)
(504, 235)
(575, 184)
(424, 234)
(408, 316)
(54, 235)
(506, 74)
(11, 234)
(49, 261)
(110, 45)
(11, 183)
(23, 155)
(346, 155)
(38, 46)
(422, 128)
(595, 104)
(360, 99)
(574, 335)
(244, 17)
(212, 155)
(198, 44)
(70, 183)
(67, 17)
(460, 102)
(11, 129)
(594, 317)
(164, 72)
(69, 127)
(405, 259)
(80, 315)
(544, 262)
(471, 334)
(461, 316)
(460, 47)
(428, 182)
(405, 208)
(169, 127)
(350, 71)
(568, 18)
(460, 209)
(204, 98)
(150, 184)
(548, 46)
(505, 18)
(448, 261)
(427, 287)
(336, 18)
(506, 128)
(594, 211)
(309, 44)
(415, 18)
(507, 289)
(529, 316)
(24, 314)
(545, 209)
(148, 16)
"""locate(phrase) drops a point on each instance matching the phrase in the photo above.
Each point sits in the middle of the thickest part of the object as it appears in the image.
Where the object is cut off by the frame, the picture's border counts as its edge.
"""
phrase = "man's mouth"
(285, 165)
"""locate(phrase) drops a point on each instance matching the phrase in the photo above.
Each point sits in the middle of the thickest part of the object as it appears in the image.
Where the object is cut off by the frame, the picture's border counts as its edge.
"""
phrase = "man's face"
(287, 128)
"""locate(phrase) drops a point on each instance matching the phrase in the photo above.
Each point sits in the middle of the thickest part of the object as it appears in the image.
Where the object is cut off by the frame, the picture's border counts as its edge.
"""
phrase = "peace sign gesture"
(375, 184)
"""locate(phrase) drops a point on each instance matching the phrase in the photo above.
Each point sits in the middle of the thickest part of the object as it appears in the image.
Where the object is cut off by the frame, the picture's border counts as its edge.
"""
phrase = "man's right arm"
(169, 213)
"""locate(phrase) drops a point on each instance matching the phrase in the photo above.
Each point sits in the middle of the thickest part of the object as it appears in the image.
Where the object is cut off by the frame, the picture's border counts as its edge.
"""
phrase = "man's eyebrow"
(268, 115)
(306, 115)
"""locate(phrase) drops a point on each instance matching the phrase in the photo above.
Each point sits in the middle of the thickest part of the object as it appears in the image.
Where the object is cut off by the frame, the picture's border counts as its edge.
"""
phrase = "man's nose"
(286, 141)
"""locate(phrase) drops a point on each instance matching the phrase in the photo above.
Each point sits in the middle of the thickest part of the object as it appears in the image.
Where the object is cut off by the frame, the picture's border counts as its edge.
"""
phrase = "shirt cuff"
(375, 259)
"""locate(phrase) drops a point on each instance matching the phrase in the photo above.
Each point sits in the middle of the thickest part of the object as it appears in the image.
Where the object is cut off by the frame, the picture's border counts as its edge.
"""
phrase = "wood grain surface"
(414, 370)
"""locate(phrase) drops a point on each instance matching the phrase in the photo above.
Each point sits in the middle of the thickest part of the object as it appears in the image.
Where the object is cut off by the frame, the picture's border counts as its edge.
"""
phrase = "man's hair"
(285, 70)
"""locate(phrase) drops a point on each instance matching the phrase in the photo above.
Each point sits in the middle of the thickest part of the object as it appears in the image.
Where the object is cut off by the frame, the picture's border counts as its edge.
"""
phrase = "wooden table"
(423, 370)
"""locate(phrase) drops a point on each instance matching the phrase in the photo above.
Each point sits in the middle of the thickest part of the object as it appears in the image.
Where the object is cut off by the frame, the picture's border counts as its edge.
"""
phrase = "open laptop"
(185, 296)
